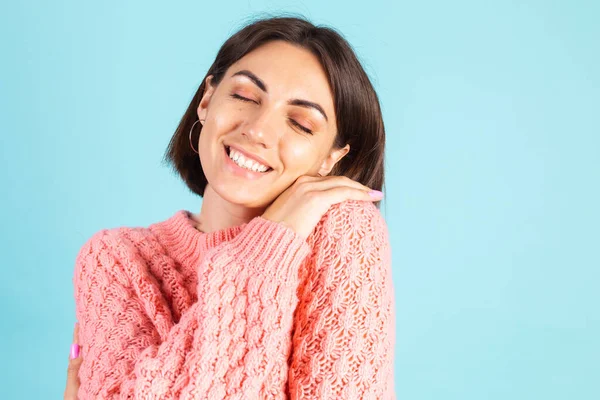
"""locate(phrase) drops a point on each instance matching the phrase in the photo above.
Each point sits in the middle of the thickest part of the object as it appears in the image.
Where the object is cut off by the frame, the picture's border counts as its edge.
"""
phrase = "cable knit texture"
(248, 312)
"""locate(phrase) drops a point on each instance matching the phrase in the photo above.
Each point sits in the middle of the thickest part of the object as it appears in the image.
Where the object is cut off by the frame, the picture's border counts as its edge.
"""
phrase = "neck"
(217, 213)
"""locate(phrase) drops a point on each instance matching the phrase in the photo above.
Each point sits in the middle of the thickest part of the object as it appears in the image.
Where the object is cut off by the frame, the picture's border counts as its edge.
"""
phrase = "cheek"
(225, 117)
(219, 123)
(298, 156)
(224, 114)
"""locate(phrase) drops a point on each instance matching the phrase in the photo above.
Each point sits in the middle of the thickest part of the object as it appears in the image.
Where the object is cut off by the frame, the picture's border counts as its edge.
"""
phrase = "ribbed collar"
(184, 242)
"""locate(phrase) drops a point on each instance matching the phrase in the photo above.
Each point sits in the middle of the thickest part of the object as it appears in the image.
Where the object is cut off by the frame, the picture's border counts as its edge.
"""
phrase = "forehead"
(288, 71)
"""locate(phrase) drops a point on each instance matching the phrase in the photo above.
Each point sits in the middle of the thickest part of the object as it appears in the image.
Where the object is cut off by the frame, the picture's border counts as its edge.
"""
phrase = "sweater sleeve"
(343, 345)
(223, 346)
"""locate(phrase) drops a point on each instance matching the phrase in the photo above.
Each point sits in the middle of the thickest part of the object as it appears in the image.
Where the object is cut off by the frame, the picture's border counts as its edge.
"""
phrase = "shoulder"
(110, 251)
(350, 245)
(116, 240)
(351, 219)
(354, 234)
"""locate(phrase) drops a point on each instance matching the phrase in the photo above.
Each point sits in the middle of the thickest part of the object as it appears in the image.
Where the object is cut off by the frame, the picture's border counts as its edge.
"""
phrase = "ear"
(209, 89)
(332, 159)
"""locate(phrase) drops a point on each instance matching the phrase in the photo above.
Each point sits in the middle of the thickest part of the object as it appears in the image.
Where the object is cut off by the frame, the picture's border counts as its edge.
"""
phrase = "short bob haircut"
(357, 109)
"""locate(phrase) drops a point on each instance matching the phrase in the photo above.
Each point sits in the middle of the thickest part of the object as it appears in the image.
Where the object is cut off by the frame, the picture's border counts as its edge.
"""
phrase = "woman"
(280, 287)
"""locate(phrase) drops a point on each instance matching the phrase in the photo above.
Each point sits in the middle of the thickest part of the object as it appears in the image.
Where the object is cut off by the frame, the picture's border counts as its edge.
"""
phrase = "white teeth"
(243, 162)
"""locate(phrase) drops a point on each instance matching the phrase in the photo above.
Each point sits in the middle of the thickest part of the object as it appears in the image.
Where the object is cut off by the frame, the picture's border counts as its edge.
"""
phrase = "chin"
(241, 196)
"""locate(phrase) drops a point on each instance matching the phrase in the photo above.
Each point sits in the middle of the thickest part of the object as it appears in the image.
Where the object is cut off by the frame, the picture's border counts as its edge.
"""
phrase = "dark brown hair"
(357, 109)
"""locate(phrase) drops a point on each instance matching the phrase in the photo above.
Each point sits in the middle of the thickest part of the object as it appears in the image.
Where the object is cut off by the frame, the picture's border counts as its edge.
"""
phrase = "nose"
(262, 129)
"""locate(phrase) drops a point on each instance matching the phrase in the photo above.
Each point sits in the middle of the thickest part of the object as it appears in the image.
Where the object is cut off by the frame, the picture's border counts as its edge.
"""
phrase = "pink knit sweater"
(248, 312)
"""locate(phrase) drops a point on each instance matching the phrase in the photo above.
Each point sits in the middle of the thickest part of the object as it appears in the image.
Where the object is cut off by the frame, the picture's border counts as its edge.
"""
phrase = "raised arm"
(223, 346)
(343, 345)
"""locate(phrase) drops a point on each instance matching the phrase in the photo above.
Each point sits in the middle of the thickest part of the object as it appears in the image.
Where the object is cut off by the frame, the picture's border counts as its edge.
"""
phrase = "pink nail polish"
(375, 193)
(74, 351)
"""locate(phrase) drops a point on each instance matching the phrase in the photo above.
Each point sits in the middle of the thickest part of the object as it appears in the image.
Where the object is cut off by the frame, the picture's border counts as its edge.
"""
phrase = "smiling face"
(275, 106)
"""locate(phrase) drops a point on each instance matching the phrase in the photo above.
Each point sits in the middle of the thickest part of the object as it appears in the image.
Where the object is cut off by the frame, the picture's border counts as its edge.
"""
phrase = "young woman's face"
(288, 121)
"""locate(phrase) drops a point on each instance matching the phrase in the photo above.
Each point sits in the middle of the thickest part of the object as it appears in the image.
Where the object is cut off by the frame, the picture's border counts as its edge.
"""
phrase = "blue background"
(492, 117)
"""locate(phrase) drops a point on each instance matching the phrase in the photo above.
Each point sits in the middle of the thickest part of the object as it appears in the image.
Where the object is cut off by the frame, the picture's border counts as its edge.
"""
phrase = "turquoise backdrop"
(492, 112)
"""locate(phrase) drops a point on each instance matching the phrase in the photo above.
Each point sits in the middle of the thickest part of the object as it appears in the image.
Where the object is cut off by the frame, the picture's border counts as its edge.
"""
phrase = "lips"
(248, 155)
(233, 168)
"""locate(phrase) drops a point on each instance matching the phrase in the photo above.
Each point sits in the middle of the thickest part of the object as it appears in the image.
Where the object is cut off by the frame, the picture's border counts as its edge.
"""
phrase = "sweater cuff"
(270, 248)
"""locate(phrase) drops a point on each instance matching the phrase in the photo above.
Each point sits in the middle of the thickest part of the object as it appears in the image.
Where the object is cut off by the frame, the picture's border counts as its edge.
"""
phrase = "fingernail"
(74, 351)
(375, 193)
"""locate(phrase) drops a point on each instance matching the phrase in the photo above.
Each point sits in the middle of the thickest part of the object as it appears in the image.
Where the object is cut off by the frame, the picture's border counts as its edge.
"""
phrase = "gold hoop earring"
(190, 135)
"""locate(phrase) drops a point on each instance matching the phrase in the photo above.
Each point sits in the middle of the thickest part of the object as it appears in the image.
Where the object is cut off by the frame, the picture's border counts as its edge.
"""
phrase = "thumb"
(74, 363)
(75, 348)
(75, 360)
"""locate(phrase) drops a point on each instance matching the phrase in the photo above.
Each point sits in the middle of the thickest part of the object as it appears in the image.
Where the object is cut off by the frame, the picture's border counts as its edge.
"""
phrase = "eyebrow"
(293, 102)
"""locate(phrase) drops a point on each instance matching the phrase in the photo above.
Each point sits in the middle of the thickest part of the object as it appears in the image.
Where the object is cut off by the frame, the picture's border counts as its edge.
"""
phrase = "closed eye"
(300, 126)
(237, 96)
(294, 122)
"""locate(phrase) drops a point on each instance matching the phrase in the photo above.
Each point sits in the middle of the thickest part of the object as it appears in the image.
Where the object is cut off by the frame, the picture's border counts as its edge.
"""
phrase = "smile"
(242, 166)
(246, 162)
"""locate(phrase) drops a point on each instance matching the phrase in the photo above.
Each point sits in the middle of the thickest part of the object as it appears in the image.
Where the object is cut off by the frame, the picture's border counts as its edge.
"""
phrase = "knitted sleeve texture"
(275, 316)
(345, 322)
(223, 345)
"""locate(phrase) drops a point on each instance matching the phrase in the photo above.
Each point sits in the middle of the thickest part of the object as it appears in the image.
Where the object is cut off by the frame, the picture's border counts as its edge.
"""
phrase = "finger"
(336, 189)
(342, 193)
(72, 379)
(75, 347)
(76, 333)
(329, 182)
(75, 361)
(308, 178)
